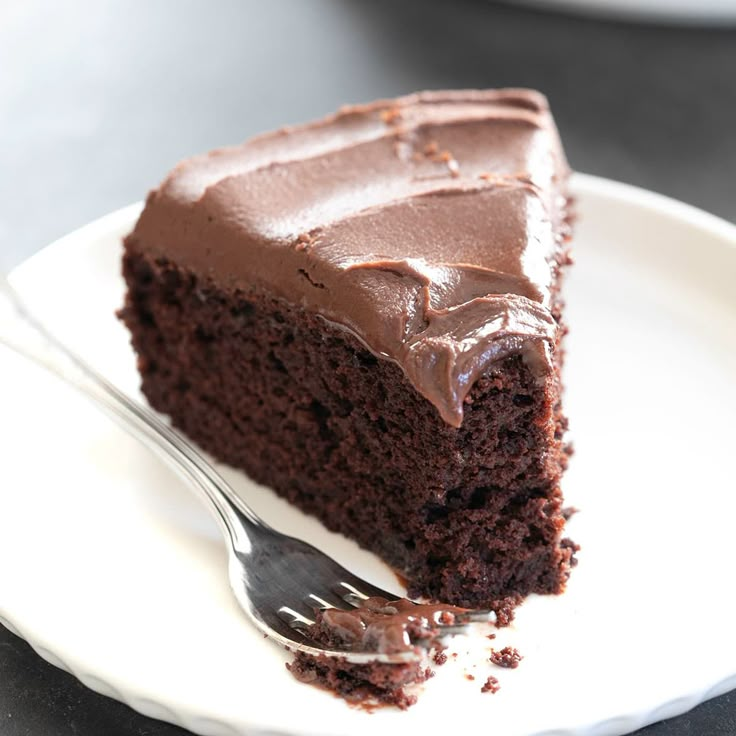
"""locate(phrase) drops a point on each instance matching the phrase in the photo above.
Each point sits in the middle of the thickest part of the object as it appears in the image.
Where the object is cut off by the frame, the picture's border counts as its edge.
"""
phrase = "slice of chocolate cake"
(364, 314)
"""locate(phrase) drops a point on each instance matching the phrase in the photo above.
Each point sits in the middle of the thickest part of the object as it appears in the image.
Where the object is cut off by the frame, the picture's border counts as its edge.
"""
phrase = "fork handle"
(25, 334)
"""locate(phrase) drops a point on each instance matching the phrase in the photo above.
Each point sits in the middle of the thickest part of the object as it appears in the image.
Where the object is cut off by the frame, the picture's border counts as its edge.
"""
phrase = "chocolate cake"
(364, 314)
(385, 627)
(368, 685)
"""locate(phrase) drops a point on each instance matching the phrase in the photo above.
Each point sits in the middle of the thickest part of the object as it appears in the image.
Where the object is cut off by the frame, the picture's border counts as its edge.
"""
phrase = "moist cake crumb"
(365, 684)
(381, 626)
(440, 658)
(491, 685)
(508, 657)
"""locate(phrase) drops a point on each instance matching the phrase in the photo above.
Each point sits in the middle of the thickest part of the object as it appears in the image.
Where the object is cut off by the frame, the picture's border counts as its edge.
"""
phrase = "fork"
(278, 580)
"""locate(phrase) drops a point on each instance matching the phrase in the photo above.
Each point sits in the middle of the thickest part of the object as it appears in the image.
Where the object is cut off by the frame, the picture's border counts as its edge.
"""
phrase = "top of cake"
(427, 225)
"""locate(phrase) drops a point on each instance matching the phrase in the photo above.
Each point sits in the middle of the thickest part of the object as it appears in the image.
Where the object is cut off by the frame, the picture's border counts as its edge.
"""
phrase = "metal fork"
(278, 580)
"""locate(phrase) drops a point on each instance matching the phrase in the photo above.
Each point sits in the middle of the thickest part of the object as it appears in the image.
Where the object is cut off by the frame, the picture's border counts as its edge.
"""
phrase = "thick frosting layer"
(427, 225)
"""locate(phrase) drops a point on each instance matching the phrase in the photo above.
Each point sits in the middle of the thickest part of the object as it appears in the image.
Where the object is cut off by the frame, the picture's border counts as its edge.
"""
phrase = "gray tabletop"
(98, 99)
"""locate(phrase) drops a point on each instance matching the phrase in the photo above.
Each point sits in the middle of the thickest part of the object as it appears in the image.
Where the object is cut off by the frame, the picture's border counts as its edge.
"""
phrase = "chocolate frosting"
(427, 225)
(388, 626)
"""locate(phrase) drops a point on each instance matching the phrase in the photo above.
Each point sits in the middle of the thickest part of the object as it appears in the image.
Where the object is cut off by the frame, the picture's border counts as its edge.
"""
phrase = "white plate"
(669, 11)
(112, 570)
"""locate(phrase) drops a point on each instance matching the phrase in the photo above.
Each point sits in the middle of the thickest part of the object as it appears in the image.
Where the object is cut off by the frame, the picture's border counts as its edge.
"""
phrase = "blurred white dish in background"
(698, 12)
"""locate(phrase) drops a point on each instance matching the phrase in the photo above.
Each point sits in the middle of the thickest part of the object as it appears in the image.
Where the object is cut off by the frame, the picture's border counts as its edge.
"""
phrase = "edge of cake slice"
(364, 313)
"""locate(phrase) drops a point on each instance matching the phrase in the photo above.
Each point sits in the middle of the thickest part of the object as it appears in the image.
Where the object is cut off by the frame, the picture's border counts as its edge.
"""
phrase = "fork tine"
(352, 586)
(478, 617)
(352, 599)
(280, 626)
(294, 619)
(350, 595)
(452, 629)
(326, 600)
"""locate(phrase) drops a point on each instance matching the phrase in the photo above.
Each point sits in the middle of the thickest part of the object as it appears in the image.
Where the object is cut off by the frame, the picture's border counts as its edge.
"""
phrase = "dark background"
(99, 99)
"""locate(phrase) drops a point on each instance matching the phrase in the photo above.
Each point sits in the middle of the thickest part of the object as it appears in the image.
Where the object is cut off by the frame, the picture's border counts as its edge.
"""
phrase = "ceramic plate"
(708, 12)
(113, 570)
